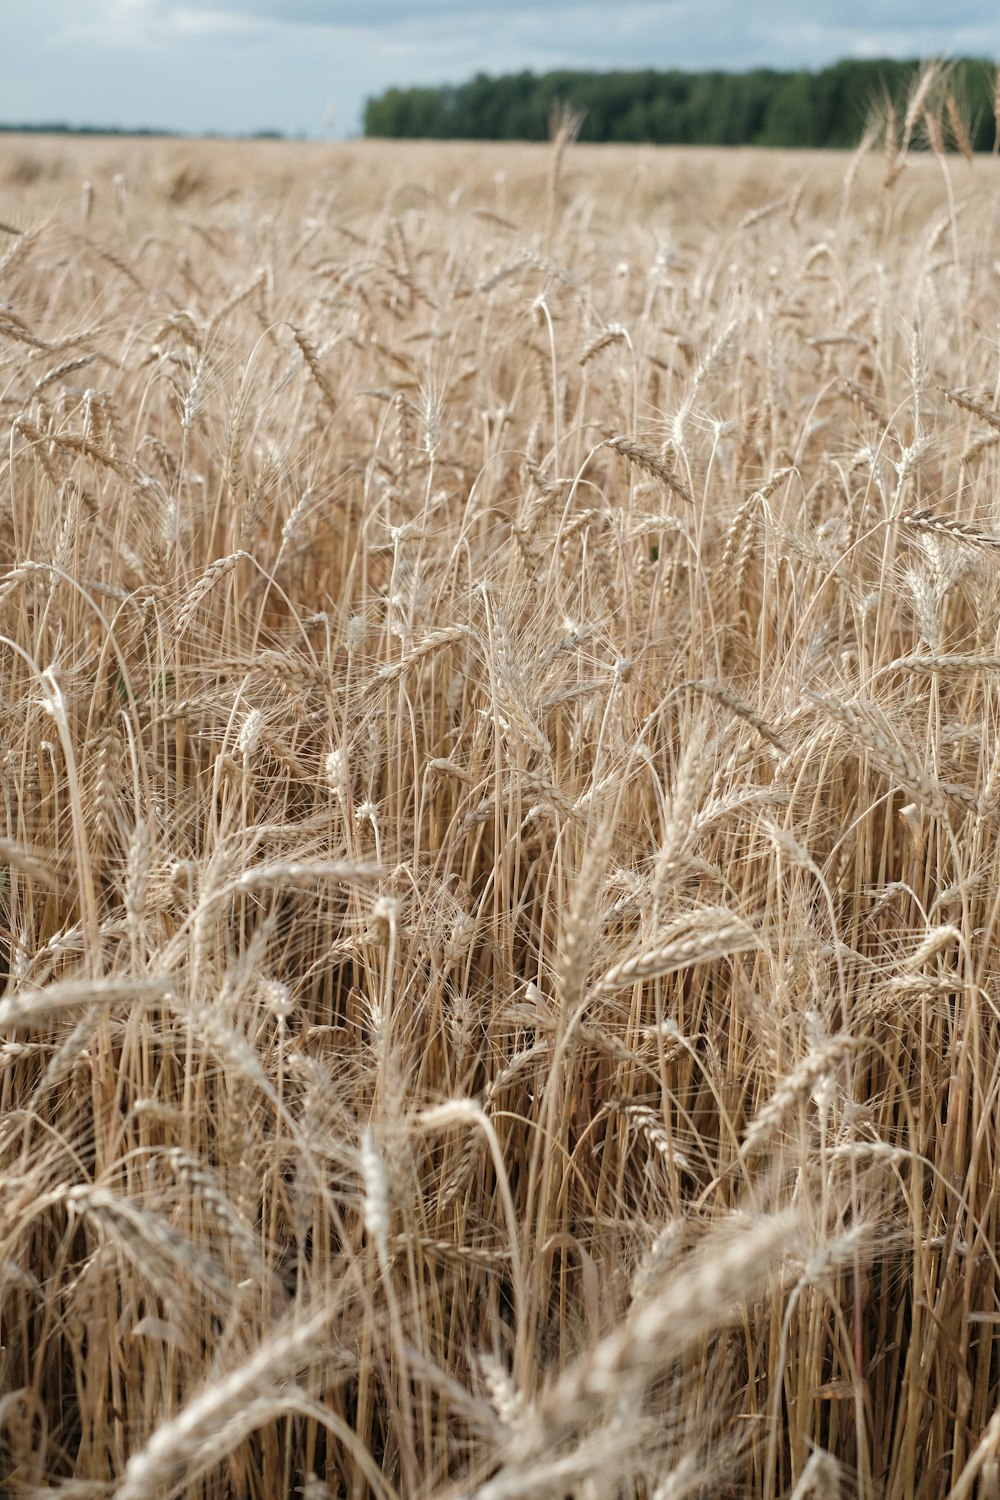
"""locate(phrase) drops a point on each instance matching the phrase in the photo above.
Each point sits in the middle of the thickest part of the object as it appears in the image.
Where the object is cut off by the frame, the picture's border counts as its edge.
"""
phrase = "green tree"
(759, 107)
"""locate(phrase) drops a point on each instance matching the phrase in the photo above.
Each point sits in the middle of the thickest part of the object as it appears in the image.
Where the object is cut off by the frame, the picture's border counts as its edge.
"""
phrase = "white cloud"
(184, 21)
(149, 23)
(111, 23)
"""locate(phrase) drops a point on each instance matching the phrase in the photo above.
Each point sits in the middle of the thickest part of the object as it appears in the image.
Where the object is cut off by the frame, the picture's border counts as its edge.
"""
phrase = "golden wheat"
(499, 990)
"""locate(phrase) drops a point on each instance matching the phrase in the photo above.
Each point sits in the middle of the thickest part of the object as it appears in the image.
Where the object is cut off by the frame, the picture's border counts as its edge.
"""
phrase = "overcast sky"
(306, 66)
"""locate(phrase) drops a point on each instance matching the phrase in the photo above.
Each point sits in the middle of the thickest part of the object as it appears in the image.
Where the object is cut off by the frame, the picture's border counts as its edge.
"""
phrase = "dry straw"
(497, 978)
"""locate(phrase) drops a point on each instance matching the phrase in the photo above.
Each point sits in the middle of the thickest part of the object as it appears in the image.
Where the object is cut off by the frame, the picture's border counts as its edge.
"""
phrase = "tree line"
(762, 107)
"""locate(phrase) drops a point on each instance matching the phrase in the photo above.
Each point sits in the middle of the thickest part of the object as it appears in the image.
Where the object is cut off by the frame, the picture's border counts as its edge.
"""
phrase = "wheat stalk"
(702, 937)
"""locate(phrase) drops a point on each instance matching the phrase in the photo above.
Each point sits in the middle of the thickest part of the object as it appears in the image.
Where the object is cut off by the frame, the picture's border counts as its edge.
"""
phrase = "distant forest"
(61, 127)
(762, 107)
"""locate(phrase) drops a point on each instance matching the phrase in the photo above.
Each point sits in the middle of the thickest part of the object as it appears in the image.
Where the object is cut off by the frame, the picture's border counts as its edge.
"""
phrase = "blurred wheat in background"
(499, 700)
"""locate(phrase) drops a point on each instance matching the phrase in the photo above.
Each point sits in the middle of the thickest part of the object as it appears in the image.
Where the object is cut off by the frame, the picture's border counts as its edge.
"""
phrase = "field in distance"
(499, 655)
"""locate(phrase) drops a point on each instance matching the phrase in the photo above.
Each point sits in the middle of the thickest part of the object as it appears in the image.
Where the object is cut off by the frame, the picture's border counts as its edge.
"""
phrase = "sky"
(306, 66)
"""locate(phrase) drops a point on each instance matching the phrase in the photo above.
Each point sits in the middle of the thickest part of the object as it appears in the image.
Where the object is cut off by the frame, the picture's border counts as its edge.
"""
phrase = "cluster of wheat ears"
(499, 872)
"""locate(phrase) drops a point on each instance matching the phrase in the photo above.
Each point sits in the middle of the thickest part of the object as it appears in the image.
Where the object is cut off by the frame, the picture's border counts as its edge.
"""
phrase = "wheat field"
(499, 873)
